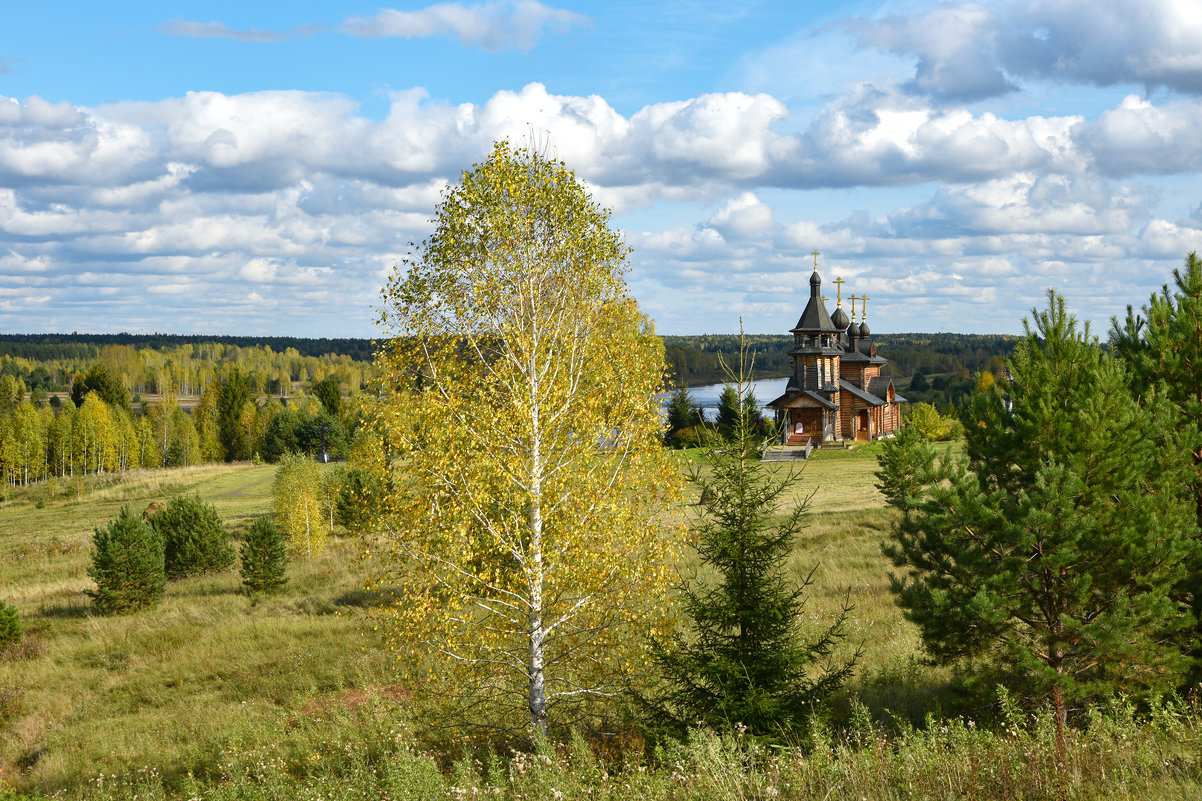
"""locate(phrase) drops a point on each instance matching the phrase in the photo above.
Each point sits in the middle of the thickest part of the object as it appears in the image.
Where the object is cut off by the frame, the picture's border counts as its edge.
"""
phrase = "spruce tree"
(10, 625)
(264, 557)
(127, 565)
(744, 659)
(1048, 557)
(683, 411)
(729, 410)
(194, 539)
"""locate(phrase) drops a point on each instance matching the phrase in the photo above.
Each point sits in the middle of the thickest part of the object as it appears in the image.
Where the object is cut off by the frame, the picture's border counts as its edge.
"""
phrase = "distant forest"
(693, 360)
(697, 360)
(75, 404)
(87, 347)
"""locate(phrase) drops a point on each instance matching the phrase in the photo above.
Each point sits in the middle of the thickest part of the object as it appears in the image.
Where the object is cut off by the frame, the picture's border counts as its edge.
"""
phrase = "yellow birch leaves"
(527, 534)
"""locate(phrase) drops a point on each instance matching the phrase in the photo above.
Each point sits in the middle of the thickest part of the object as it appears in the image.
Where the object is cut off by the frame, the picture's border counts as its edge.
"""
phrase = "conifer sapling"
(127, 565)
(264, 557)
(745, 660)
(10, 625)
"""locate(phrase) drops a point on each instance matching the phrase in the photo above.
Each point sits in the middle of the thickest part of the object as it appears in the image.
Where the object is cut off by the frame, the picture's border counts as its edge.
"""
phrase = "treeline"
(100, 429)
(87, 347)
(697, 360)
(150, 362)
(184, 369)
(84, 407)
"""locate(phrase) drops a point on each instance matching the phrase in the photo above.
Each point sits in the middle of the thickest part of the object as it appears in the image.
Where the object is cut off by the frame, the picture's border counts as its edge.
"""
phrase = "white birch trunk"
(538, 689)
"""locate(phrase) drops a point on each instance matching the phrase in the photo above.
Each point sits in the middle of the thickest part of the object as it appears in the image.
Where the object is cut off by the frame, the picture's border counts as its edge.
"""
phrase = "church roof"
(867, 397)
(815, 319)
(879, 386)
(792, 398)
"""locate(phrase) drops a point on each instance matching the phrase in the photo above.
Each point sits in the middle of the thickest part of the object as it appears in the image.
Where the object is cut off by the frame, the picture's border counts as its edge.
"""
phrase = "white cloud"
(1141, 138)
(490, 26)
(301, 198)
(956, 47)
(973, 50)
(743, 217)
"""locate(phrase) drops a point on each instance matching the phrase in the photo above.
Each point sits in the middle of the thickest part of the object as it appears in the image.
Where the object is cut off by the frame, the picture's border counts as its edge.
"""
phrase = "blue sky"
(258, 168)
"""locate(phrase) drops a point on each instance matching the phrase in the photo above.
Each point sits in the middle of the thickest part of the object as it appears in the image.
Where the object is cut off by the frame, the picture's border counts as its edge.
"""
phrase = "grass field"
(167, 687)
(214, 686)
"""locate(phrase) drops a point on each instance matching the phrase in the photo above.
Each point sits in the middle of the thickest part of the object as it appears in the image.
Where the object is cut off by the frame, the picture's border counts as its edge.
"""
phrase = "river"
(765, 389)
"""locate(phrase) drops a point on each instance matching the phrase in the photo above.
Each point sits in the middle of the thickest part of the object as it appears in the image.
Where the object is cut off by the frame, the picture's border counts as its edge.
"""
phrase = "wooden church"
(837, 392)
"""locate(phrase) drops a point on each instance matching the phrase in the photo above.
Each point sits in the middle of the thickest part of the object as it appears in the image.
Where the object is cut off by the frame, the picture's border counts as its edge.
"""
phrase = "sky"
(260, 168)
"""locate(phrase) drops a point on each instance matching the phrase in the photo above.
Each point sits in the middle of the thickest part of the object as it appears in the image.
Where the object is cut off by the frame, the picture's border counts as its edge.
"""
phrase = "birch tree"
(527, 526)
(297, 500)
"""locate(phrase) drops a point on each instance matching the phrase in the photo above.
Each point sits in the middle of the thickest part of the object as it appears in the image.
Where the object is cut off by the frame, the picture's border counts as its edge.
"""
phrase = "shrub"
(264, 557)
(127, 565)
(933, 426)
(10, 625)
(194, 540)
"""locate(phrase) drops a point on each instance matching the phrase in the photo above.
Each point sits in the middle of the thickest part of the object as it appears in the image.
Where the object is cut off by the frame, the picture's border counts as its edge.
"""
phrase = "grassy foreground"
(218, 695)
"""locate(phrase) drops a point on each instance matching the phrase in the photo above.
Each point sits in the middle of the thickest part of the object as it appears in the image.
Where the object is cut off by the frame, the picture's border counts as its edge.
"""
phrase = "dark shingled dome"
(839, 318)
(864, 330)
(815, 280)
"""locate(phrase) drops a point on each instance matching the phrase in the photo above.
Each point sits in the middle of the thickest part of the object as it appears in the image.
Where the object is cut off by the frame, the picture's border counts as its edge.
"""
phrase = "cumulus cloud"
(1024, 203)
(491, 26)
(1141, 138)
(974, 50)
(956, 47)
(743, 217)
(302, 199)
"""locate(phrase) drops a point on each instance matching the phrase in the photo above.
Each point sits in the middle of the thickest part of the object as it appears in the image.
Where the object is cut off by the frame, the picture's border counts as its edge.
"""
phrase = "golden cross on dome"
(853, 308)
(864, 307)
(839, 282)
(815, 254)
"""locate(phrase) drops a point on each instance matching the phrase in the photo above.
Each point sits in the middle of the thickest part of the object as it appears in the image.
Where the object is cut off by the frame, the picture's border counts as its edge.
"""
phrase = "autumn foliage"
(525, 421)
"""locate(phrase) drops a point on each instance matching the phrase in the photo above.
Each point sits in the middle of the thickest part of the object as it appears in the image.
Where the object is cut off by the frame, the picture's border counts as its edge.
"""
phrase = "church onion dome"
(815, 279)
(864, 330)
(839, 318)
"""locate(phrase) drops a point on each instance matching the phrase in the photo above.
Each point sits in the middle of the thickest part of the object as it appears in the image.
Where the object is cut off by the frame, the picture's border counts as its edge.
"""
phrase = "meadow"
(218, 694)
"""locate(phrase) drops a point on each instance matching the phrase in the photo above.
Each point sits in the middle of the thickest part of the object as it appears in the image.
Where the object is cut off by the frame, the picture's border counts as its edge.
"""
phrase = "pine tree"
(194, 539)
(907, 468)
(264, 557)
(10, 625)
(1163, 352)
(1049, 557)
(744, 659)
(127, 565)
(233, 395)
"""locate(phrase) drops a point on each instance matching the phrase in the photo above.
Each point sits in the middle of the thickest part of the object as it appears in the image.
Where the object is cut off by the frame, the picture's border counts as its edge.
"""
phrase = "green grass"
(216, 694)
(167, 687)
